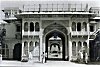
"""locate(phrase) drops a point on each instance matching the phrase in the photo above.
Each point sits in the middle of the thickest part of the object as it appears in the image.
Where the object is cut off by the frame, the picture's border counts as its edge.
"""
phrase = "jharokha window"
(79, 46)
(26, 26)
(85, 45)
(31, 46)
(26, 48)
(31, 26)
(74, 48)
(73, 26)
(84, 26)
(78, 26)
(37, 28)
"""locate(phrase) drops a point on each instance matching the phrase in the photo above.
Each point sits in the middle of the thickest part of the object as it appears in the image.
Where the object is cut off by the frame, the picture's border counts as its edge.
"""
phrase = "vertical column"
(66, 47)
(82, 46)
(22, 40)
(82, 28)
(28, 28)
(70, 49)
(82, 52)
(40, 48)
(41, 40)
(11, 14)
(76, 48)
(88, 38)
(88, 47)
(43, 44)
(69, 38)
(22, 28)
(76, 26)
(28, 48)
(22, 51)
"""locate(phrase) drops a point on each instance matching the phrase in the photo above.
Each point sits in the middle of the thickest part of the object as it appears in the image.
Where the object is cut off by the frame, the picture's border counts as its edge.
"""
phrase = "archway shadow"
(59, 34)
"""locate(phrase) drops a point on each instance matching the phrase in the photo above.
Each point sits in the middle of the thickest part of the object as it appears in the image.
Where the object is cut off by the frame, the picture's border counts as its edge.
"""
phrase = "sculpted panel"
(45, 23)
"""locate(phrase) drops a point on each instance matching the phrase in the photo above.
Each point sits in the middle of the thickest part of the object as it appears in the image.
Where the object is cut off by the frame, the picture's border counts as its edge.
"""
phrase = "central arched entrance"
(55, 45)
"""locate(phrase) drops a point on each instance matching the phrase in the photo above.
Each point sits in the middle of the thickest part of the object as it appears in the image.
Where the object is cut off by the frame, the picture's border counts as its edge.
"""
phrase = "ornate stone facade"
(62, 35)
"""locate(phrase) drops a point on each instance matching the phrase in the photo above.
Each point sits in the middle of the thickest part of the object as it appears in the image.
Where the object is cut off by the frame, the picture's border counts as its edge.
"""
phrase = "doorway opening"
(55, 45)
(17, 51)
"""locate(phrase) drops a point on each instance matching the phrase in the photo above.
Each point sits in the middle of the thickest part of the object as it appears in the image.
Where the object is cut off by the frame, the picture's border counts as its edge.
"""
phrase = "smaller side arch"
(31, 26)
(17, 51)
(79, 46)
(74, 48)
(73, 26)
(31, 46)
(79, 26)
(26, 48)
(85, 26)
(37, 26)
(26, 26)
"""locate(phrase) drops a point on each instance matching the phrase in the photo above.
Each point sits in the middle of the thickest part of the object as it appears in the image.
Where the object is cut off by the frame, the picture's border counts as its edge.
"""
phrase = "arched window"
(79, 46)
(5, 51)
(84, 26)
(26, 48)
(74, 48)
(85, 46)
(73, 26)
(26, 26)
(36, 44)
(31, 46)
(78, 26)
(31, 26)
(37, 28)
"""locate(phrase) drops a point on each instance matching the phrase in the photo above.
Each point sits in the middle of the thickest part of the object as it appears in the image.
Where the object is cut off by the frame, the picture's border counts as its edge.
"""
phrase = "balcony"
(56, 7)
(31, 33)
(81, 33)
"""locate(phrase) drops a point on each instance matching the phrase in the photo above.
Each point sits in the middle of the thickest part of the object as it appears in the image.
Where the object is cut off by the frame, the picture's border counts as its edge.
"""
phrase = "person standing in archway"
(86, 58)
(45, 56)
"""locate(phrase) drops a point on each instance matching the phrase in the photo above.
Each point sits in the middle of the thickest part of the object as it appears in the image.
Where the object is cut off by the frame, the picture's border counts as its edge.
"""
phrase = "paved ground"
(48, 64)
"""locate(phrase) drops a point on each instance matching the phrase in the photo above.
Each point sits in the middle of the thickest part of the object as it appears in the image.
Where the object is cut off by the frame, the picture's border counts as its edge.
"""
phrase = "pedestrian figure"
(86, 58)
(43, 57)
(30, 56)
(81, 54)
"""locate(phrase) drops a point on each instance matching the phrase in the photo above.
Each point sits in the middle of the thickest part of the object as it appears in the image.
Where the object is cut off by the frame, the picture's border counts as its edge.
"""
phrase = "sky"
(19, 3)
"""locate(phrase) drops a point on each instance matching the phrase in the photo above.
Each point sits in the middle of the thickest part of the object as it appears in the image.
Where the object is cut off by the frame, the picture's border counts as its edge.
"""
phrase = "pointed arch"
(85, 26)
(31, 46)
(26, 26)
(78, 26)
(79, 46)
(31, 26)
(85, 44)
(74, 48)
(37, 27)
(26, 48)
(73, 26)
